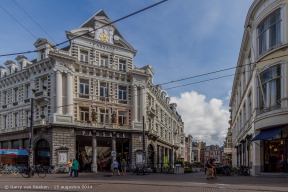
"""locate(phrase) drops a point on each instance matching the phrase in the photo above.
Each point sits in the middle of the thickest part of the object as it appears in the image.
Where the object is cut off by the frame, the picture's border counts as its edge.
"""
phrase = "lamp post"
(144, 151)
(30, 158)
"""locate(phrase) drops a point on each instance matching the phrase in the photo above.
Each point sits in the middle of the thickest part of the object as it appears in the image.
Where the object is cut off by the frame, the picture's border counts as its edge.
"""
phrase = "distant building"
(216, 151)
(188, 149)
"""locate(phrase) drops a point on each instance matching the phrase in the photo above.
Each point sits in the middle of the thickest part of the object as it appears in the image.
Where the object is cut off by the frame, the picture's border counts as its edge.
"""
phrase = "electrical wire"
(122, 18)
(33, 20)
(21, 26)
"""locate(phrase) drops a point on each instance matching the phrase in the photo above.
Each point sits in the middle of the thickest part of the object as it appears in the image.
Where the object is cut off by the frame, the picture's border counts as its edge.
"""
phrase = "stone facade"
(88, 87)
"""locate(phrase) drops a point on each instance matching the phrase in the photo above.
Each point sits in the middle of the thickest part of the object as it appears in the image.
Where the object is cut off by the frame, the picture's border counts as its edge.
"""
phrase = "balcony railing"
(267, 109)
(27, 100)
(15, 103)
(4, 106)
(102, 98)
(94, 124)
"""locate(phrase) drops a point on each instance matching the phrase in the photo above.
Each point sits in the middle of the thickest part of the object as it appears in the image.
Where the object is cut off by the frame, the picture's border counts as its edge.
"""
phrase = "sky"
(178, 38)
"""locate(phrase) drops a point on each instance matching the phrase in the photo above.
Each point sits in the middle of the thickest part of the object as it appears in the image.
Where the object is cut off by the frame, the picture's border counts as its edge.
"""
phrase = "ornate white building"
(89, 100)
(259, 102)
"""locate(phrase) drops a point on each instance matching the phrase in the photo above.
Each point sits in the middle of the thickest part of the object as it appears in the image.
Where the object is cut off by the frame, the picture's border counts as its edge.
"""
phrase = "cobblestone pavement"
(154, 182)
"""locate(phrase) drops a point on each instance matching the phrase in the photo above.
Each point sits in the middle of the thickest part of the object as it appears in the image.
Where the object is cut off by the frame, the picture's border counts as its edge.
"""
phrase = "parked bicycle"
(241, 171)
(61, 169)
(49, 169)
(224, 170)
(36, 169)
(137, 171)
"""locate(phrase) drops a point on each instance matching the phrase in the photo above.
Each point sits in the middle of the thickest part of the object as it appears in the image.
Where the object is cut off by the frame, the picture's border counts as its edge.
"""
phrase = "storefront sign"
(102, 134)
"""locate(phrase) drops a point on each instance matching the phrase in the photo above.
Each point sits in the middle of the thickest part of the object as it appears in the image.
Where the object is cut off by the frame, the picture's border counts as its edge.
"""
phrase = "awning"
(13, 152)
(267, 134)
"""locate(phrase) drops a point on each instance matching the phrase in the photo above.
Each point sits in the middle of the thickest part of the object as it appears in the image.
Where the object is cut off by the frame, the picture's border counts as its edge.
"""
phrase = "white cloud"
(201, 118)
(229, 95)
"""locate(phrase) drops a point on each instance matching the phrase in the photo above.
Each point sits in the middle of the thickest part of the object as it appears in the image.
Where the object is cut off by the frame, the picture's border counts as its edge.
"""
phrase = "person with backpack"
(210, 166)
(123, 166)
(75, 166)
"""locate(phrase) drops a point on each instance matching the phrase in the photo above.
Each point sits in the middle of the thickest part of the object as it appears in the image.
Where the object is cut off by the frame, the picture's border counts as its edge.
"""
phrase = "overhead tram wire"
(33, 20)
(19, 24)
(117, 20)
(182, 85)
(212, 72)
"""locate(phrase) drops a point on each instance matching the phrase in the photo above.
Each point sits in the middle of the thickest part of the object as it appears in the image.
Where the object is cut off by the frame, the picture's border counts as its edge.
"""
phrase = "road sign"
(113, 153)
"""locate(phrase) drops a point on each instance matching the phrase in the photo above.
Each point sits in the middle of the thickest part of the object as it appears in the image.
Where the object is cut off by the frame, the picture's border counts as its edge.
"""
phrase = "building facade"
(216, 151)
(259, 94)
(189, 156)
(90, 101)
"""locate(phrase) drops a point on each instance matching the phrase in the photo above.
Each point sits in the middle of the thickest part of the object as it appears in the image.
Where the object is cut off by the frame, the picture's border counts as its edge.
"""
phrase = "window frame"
(122, 66)
(267, 31)
(83, 113)
(122, 117)
(84, 56)
(106, 64)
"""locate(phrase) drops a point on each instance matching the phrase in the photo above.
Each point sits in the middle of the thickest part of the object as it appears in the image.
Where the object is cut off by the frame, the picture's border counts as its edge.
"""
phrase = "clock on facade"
(104, 35)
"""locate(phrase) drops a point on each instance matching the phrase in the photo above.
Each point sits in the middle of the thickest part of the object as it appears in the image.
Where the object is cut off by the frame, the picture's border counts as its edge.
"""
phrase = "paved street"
(153, 182)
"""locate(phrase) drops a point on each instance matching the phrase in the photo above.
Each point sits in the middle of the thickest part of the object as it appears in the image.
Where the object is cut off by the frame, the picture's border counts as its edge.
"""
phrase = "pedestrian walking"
(75, 167)
(209, 165)
(123, 166)
(115, 167)
(69, 166)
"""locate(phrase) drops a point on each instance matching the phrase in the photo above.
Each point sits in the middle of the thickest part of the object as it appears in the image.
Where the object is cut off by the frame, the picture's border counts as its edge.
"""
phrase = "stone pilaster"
(59, 92)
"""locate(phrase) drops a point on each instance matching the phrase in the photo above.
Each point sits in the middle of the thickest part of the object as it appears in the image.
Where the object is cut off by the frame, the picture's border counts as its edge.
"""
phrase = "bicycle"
(61, 170)
(49, 169)
(37, 169)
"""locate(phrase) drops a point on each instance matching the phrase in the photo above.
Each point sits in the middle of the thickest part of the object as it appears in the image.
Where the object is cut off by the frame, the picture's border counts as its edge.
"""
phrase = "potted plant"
(42, 116)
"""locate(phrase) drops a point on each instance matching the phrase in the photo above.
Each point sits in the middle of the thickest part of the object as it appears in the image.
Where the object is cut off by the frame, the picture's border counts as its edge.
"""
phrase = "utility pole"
(144, 152)
(31, 133)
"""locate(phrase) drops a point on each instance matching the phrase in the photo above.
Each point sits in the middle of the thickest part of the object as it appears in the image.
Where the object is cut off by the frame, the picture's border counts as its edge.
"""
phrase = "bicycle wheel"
(41, 173)
(14, 171)
(24, 173)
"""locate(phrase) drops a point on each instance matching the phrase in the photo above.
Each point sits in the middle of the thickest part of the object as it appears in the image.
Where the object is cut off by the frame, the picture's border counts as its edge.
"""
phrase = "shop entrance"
(42, 153)
(274, 155)
(84, 152)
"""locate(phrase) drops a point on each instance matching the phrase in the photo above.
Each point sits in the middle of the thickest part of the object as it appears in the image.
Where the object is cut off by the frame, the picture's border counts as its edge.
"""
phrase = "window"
(122, 93)
(42, 55)
(244, 79)
(104, 89)
(104, 116)
(122, 117)
(269, 32)
(27, 118)
(84, 113)
(4, 122)
(4, 97)
(161, 132)
(84, 88)
(15, 119)
(27, 91)
(104, 61)
(84, 56)
(16, 94)
(244, 114)
(271, 85)
(249, 105)
(122, 65)
(20, 65)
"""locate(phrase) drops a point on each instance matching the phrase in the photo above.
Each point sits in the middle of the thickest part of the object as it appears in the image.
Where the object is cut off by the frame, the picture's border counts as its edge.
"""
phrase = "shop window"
(122, 117)
(84, 114)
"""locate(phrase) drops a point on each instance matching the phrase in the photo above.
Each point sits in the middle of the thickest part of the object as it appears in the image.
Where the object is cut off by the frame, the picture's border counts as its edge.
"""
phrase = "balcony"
(267, 109)
(27, 101)
(4, 106)
(15, 103)
(150, 111)
(94, 124)
(40, 122)
(41, 97)
(228, 151)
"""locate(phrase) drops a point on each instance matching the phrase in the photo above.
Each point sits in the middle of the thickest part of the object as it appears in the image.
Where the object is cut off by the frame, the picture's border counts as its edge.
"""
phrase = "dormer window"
(42, 55)
(104, 61)
(84, 56)
(122, 65)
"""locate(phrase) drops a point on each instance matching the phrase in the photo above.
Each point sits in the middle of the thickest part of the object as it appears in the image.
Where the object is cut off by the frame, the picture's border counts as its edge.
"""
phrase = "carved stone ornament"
(114, 117)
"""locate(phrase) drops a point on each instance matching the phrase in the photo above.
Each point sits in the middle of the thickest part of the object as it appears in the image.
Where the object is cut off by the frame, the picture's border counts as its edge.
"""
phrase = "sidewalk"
(169, 181)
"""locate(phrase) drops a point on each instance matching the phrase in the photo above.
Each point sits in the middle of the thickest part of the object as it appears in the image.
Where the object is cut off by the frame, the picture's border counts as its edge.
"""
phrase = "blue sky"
(179, 38)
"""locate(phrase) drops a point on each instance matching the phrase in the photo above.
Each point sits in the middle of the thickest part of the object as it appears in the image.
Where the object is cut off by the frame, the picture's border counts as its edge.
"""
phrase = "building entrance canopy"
(267, 134)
